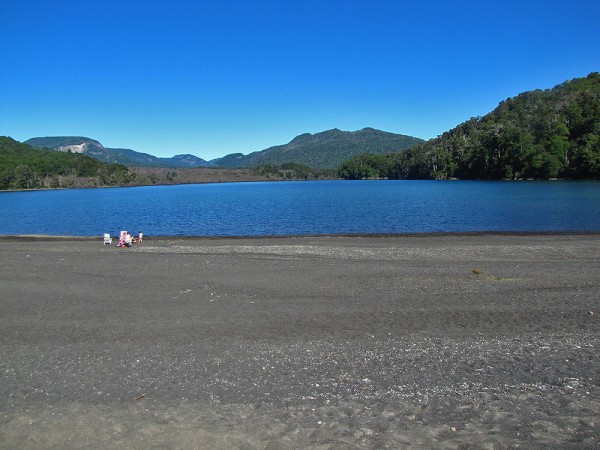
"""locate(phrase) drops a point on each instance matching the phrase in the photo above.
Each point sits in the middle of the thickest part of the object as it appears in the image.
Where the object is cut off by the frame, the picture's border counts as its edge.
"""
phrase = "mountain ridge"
(125, 156)
(325, 149)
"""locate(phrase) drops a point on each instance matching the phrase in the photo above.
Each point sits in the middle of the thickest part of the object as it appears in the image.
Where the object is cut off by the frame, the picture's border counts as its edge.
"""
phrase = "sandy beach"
(456, 341)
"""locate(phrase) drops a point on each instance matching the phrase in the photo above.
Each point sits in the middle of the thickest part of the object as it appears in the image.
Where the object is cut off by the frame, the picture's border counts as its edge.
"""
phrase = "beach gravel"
(442, 341)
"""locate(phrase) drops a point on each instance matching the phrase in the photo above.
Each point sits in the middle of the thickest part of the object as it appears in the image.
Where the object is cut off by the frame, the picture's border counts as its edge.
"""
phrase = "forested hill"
(326, 150)
(25, 167)
(553, 133)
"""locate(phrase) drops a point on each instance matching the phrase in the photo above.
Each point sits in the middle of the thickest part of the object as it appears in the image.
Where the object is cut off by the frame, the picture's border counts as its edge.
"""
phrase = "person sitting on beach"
(121, 243)
(127, 240)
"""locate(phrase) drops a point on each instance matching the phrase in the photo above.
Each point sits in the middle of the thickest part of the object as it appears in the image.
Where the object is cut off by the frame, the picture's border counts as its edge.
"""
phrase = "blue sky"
(217, 77)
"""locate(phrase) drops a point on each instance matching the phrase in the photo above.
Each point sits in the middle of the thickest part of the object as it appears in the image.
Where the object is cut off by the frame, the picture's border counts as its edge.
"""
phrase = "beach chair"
(107, 239)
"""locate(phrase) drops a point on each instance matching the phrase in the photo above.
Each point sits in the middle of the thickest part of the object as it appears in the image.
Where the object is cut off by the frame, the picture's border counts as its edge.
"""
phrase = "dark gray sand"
(304, 342)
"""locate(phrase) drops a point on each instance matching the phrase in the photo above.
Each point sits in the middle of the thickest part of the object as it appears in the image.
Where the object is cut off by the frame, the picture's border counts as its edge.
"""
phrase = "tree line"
(293, 171)
(536, 135)
(25, 167)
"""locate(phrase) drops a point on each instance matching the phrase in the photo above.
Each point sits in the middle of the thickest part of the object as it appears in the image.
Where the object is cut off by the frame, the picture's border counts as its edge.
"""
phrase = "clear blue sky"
(211, 78)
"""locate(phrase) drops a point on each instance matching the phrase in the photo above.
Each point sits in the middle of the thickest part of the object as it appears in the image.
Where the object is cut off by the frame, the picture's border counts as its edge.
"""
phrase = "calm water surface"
(319, 207)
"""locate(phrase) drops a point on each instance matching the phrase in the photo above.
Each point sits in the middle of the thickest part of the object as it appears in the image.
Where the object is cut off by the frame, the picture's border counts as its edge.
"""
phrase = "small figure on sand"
(125, 239)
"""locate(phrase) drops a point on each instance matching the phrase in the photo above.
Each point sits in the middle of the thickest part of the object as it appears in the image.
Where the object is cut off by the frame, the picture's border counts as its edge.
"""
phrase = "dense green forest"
(25, 167)
(293, 171)
(540, 134)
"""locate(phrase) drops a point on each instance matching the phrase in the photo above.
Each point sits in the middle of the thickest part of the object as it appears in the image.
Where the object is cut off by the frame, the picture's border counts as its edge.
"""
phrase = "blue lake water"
(298, 208)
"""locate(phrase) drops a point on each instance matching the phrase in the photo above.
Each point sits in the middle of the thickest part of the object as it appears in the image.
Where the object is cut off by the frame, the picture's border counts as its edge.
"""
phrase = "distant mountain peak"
(325, 149)
(63, 142)
(300, 138)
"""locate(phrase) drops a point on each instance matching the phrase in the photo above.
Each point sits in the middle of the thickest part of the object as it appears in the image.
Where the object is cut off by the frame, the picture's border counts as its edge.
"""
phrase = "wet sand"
(456, 341)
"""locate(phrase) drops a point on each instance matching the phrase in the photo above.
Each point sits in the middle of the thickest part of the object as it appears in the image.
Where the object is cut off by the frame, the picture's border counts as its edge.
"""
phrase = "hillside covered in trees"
(540, 134)
(324, 150)
(25, 167)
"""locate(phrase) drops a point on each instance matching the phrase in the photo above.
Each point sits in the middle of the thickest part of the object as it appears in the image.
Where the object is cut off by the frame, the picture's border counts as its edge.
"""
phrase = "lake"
(299, 208)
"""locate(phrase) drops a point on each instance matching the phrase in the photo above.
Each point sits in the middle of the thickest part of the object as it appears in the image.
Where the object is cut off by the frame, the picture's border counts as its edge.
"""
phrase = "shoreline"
(426, 341)
(266, 179)
(49, 237)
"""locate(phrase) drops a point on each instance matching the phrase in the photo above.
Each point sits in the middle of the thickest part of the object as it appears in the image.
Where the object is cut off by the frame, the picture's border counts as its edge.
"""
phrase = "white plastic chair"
(107, 239)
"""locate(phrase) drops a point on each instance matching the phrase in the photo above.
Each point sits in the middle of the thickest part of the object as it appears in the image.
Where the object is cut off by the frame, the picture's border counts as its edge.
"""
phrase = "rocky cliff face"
(84, 147)
(76, 144)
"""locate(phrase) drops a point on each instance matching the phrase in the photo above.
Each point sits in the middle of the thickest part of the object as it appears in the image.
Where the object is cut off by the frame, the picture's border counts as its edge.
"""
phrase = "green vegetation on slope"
(25, 167)
(541, 134)
(369, 165)
(325, 150)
